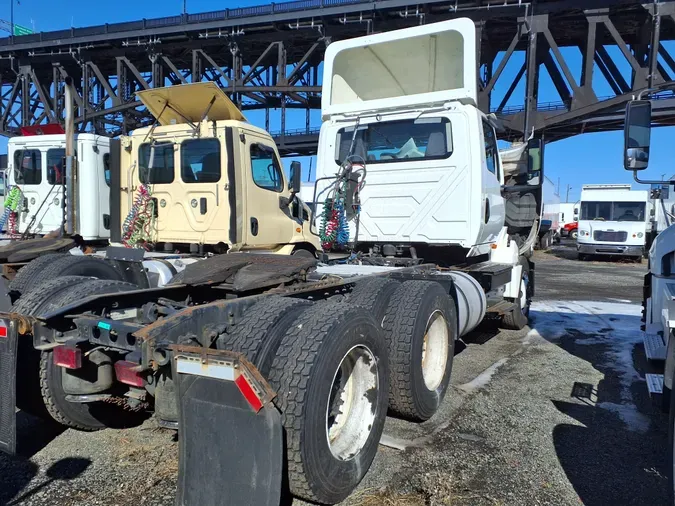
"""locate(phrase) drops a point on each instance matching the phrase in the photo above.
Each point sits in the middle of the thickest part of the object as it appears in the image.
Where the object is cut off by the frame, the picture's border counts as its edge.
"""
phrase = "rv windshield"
(613, 211)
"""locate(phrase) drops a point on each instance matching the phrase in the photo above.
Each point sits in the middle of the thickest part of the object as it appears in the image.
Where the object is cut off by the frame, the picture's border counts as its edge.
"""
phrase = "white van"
(36, 166)
(612, 221)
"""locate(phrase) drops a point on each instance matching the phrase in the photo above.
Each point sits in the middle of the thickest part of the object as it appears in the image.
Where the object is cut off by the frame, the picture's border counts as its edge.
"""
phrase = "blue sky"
(588, 158)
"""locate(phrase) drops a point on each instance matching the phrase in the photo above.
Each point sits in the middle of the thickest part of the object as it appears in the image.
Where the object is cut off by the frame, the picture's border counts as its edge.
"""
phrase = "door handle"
(254, 226)
(487, 210)
(202, 205)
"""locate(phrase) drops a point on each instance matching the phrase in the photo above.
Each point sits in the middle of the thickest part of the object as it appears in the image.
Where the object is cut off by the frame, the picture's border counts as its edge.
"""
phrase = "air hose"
(139, 224)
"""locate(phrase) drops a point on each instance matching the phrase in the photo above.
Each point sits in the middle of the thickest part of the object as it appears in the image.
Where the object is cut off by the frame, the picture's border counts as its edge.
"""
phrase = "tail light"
(69, 357)
(129, 374)
(4, 331)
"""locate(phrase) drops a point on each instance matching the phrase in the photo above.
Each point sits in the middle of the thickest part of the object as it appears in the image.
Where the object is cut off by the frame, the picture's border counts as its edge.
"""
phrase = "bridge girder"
(271, 60)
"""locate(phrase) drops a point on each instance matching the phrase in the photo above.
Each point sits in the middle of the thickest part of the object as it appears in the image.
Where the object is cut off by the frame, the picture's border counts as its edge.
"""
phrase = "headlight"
(640, 234)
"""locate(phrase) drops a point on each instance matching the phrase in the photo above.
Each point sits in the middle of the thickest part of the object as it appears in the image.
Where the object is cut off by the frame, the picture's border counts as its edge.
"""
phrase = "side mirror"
(576, 210)
(636, 134)
(296, 176)
(535, 159)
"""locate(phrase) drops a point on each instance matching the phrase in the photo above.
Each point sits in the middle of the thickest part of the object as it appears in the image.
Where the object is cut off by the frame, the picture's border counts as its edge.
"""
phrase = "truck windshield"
(28, 166)
(613, 211)
(395, 141)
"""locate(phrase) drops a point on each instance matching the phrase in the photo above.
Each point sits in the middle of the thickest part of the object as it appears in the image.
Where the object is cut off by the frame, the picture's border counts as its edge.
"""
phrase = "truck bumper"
(8, 356)
(610, 249)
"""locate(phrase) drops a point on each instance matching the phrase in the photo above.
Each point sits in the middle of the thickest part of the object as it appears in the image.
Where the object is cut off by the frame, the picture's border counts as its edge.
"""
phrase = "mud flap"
(231, 451)
(8, 354)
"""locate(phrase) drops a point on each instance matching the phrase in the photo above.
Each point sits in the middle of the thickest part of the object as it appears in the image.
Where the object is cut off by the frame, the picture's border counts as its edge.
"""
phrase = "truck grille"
(601, 235)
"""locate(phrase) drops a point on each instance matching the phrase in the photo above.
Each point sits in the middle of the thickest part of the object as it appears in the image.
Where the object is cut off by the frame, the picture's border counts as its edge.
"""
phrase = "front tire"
(518, 317)
(574, 234)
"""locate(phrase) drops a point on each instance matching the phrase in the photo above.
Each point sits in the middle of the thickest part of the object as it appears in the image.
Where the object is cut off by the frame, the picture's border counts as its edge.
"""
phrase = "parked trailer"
(277, 366)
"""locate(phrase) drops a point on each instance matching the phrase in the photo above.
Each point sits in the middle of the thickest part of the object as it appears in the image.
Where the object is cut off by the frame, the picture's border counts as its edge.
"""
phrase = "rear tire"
(373, 294)
(260, 331)
(420, 326)
(47, 297)
(331, 374)
(31, 274)
(60, 265)
(518, 317)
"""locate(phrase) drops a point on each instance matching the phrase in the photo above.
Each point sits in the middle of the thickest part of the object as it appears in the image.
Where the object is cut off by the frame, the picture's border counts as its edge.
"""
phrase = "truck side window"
(28, 166)
(55, 170)
(200, 161)
(106, 168)
(162, 171)
(491, 151)
(265, 168)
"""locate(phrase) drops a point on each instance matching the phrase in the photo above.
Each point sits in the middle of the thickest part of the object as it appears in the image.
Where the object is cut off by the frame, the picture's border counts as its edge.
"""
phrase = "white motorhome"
(36, 167)
(612, 221)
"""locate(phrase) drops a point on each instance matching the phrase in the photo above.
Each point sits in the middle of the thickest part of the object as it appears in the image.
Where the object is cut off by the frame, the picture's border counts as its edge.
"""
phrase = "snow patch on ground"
(614, 325)
(483, 378)
(636, 421)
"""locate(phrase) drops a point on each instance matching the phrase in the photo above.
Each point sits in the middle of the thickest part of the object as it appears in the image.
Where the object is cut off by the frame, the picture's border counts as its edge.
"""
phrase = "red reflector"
(3, 331)
(127, 373)
(248, 393)
(69, 357)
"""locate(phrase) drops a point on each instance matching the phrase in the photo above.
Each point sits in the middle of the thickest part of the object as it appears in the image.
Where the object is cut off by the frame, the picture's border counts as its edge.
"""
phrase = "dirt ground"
(556, 414)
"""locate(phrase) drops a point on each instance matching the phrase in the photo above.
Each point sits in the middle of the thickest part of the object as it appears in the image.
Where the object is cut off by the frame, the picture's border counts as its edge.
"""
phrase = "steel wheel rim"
(435, 350)
(352, 403)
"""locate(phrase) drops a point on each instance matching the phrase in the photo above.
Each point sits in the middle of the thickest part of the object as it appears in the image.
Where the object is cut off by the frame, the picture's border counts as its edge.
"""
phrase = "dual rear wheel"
(338, 366)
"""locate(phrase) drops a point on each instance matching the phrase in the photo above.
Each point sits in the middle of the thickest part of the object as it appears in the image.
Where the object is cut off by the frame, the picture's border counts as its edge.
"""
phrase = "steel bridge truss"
(272, 65)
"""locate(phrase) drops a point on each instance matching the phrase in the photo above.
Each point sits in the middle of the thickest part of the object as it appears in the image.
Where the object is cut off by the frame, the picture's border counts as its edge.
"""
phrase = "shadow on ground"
(616, 453)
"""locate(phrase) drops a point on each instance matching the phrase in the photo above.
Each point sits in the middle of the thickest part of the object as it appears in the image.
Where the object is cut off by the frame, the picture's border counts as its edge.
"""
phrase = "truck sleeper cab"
(36, 167)
(215, 180)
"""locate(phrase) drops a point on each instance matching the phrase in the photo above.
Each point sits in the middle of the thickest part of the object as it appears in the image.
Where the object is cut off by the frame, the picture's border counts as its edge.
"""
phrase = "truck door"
(493, 202)
(267, 223)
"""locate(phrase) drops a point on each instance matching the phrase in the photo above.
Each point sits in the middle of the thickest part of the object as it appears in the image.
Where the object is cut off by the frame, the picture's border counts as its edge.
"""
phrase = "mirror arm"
(648, 181)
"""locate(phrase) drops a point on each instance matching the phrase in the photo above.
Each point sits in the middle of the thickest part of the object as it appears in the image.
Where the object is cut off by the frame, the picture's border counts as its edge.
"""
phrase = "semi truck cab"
(204, 176)
(36, 166)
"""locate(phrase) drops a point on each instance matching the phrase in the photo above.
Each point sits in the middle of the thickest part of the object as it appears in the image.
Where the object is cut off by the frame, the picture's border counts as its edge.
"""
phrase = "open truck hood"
(414, 67)
(189, 102)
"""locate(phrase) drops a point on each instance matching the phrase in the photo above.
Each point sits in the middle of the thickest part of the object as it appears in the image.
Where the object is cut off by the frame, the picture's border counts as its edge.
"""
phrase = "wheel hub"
(351, 407)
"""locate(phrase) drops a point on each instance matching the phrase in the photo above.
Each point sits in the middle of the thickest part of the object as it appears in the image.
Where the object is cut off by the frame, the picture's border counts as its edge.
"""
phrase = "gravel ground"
(511, 431)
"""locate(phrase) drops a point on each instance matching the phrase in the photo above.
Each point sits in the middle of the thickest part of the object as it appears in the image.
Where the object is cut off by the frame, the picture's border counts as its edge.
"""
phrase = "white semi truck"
(613, 220)
(658, 305)
(36, 166)
(274, 367)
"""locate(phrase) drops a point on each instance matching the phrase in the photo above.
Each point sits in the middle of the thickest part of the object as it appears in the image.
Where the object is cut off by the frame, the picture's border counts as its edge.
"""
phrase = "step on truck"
(283, 367)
